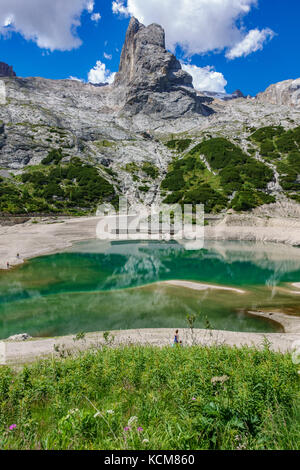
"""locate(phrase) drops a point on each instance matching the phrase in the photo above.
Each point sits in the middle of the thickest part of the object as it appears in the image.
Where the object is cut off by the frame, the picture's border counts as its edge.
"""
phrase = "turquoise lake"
(97, 286)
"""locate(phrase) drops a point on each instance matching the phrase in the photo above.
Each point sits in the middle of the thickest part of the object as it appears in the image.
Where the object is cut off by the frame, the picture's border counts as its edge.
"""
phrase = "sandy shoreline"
(17, 353)
(30, 240)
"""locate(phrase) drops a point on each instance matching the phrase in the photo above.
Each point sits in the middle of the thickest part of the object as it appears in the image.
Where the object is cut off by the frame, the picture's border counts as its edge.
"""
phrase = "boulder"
(20, 337)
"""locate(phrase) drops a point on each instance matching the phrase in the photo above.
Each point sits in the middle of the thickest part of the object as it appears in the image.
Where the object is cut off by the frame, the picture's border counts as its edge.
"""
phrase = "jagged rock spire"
(151, 79)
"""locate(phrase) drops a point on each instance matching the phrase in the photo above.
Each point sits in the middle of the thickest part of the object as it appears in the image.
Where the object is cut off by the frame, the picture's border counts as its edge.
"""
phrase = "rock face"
(150, 79)
(6, 70)
(285, 93)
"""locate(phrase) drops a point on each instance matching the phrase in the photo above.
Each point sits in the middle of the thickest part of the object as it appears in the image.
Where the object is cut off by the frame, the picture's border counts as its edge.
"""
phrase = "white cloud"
(119, 7)
(100, 74)
(96, 17)
(107, 56)
(206, 78)
(90, 6)
(198, 26)
(51, 24)
(254, 41)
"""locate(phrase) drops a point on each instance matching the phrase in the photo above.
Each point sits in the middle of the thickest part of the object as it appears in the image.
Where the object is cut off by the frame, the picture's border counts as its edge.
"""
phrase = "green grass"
(171, 393)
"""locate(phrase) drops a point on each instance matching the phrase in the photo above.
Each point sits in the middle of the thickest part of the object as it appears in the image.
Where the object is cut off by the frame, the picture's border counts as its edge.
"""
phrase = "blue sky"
(223, 36)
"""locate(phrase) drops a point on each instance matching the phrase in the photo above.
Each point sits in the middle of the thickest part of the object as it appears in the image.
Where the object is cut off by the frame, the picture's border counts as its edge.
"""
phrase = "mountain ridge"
(132, 131)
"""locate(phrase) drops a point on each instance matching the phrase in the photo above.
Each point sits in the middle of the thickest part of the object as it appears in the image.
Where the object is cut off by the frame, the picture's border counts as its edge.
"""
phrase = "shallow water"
(99, 286)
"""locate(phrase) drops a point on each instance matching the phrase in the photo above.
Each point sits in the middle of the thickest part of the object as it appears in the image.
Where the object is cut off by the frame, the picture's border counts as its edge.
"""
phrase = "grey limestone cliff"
(286, 93)
(151, 80)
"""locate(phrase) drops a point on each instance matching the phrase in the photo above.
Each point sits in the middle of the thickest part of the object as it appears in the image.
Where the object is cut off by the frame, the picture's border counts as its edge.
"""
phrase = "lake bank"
(47, 236)
(12, 352)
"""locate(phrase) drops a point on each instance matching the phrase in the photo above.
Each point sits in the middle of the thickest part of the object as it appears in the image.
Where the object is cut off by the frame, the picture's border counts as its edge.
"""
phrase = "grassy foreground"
(151, 398)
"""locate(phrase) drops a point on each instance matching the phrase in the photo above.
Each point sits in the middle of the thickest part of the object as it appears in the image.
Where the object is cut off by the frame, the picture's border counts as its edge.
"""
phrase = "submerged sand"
(201, 286)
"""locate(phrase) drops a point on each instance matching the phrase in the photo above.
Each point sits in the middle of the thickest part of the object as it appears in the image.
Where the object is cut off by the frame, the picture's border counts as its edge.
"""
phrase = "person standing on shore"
(176, 338)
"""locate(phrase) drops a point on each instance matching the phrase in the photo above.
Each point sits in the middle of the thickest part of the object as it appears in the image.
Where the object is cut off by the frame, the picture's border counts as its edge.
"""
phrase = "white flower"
(110, 412)
(132, 420)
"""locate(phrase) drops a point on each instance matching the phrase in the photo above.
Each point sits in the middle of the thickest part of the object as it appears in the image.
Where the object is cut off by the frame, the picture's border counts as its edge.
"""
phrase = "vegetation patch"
(190, 181)
(180, 145)
(282, 148)
(53, 157)
(151, 170)
(275, 142)
(144, 189)
(74, 188)
(246, 200)
(220, 153)
(135, 398)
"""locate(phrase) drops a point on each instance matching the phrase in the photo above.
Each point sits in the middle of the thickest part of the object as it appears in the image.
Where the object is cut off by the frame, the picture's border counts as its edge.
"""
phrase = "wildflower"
(145, 441)
(110, 412)
(12, 427)
(140, 429)
(222, 379)
(193, 399)
(127, 428)
(132, 420)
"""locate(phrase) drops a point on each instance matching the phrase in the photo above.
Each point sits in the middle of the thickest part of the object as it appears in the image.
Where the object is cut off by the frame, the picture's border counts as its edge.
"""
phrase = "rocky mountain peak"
(6, 70)
(144, 56)
(148, 72)
(286, 93)
(238, 94)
